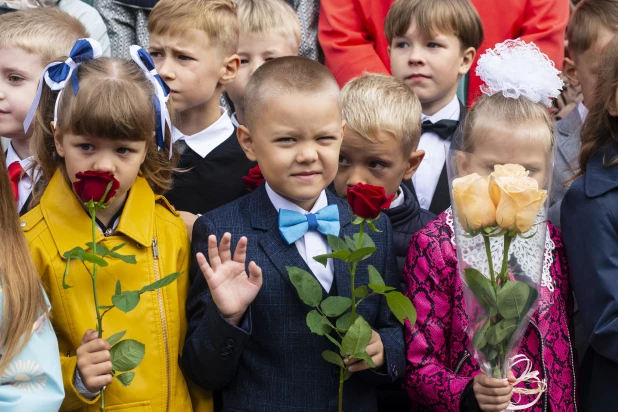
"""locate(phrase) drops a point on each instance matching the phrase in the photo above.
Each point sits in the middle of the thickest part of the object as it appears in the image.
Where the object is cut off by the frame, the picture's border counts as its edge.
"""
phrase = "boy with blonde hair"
(268, 29)
(193, 44)
(379, 148)
(29, 40)
(432, 44)
(248, 335)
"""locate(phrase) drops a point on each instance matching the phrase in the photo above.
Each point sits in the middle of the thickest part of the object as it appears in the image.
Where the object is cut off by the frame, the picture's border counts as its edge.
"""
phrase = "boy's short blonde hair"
(48, 33)
(267, 16)
(587, 19)
(286, 75)
(458, 17)
(375, 103)
(217, 18)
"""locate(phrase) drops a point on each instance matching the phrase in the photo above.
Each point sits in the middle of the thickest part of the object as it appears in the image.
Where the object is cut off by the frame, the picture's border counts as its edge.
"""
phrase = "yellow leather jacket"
(156, 235)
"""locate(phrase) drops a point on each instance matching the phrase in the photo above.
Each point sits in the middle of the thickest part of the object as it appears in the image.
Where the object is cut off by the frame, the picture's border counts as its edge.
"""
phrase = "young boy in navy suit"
(247, 334)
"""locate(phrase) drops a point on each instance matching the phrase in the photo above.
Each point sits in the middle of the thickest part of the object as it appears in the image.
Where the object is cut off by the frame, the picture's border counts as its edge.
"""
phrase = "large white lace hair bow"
(517, 68)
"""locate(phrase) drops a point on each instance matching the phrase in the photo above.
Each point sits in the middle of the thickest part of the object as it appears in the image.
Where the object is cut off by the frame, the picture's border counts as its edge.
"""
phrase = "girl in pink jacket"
(441, 375)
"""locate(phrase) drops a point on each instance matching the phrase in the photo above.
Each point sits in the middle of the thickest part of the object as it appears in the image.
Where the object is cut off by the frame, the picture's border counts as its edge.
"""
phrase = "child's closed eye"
(15, 79)
(285, 140)
(343, 161)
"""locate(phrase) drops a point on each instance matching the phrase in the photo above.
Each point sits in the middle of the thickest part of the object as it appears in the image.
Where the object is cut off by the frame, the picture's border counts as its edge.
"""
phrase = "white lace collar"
(519, 248)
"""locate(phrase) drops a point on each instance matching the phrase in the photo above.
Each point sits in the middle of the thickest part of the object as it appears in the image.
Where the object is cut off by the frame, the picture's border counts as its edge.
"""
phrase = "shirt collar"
(234, 120)
(398, 200)
(582, 110)
(208, 139)
(279, 202)
(26, 164)
(450, 112)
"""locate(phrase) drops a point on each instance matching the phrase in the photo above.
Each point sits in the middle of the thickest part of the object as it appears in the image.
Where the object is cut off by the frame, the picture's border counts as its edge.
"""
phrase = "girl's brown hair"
(22, 292)
(600, 127)
(114, 101)
(505, 111)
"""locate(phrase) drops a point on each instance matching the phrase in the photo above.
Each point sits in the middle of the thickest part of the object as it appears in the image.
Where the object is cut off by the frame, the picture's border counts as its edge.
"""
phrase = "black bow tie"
(444, 128)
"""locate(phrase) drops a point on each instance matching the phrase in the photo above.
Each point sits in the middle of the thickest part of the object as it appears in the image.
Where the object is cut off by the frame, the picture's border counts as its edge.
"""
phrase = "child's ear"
(468, 56)
(462, 161)
(570, 71)
(246, 142)
(414, 161)
(229, 69)
(57, 141)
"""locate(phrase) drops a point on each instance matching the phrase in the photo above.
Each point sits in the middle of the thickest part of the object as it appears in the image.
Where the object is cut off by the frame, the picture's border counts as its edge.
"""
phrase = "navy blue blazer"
(273, 362)
(589, 220)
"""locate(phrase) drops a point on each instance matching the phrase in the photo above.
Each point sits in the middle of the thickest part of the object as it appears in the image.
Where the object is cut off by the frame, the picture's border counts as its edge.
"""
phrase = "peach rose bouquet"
(500, 230)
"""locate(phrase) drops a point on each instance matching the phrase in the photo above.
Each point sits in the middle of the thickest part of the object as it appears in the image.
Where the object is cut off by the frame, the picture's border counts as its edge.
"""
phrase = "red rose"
(367, 201)
(254, 179)
(92, 186)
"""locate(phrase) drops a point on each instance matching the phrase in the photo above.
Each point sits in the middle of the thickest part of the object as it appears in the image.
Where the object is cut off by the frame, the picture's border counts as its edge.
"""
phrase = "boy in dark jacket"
(383, 129)
(379, 148)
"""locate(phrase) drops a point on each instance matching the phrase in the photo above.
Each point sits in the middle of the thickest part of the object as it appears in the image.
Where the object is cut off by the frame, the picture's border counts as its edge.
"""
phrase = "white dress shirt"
(426, 177)
(582, 110)
(234, 120)
(24, 186)
(313, 243)
(210, 138)
(398, 201)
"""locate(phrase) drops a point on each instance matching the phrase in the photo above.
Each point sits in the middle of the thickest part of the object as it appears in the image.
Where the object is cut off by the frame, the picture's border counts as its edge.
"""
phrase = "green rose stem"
(92, 208)
(490, 262)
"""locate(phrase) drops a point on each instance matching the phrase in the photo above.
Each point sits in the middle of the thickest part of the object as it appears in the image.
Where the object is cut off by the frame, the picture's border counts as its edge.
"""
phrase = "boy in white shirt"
(31, 38)
(431, 46)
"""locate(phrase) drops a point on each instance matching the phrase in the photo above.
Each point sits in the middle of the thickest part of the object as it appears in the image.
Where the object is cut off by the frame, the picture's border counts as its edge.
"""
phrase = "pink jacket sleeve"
(430, 283)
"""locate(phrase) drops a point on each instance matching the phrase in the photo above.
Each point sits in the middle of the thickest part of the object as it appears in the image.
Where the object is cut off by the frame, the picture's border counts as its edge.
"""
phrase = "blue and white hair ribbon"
(56, 74)
(162, 91)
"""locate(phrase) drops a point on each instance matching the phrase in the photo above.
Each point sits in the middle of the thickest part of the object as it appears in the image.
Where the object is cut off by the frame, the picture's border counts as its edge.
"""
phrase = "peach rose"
(509, 170)
(473, 205)
(518, 199)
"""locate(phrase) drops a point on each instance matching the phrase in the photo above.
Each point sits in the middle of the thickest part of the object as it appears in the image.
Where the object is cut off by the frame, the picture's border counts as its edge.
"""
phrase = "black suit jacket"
(442, 199)
(273, 363)
(203, 184)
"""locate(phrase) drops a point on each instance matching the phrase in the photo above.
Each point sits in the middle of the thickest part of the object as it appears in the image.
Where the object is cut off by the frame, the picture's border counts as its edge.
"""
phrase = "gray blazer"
(272, 362)
(568, 143)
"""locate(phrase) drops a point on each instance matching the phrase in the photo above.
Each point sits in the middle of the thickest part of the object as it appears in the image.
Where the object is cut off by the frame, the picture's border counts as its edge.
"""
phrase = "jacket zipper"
(532, 322)
(464, 357)
(572, 363)
(155, 255)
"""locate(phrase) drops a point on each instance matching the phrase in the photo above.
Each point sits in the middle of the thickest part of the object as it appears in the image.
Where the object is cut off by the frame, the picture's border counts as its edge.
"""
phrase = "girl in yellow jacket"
(104, 121)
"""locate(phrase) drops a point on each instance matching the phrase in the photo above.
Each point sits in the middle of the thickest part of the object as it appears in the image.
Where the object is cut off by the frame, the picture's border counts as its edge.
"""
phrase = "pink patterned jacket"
(439, 366)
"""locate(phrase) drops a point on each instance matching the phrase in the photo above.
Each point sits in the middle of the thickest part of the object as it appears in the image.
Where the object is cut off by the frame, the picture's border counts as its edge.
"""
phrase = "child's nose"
(356, 176)
(307, 154)
(416, 56)
(166, 70)
(103, 163)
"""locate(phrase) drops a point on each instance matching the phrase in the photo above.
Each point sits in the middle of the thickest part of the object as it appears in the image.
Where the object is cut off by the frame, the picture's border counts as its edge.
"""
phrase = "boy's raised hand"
(230, 287)
(493, 395)
(94, 361)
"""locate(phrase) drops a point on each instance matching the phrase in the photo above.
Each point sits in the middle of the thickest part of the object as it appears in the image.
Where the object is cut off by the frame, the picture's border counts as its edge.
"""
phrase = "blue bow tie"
(294, 225)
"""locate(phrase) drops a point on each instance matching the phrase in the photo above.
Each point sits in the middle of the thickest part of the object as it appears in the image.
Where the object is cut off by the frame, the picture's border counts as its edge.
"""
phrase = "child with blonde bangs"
(268, 29)
(28, 42)
(194, 44)
(502, 128)
(29, 366)
(588, 217)
(105, 122)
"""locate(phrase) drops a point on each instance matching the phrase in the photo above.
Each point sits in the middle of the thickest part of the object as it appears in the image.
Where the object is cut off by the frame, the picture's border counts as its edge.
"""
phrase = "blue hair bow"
(56, 74)
(162, 91)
